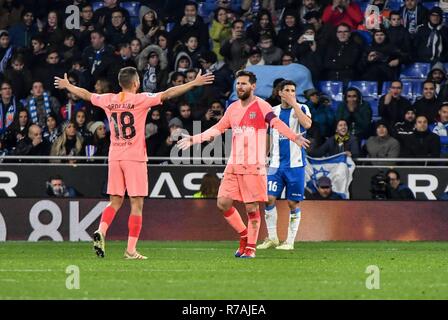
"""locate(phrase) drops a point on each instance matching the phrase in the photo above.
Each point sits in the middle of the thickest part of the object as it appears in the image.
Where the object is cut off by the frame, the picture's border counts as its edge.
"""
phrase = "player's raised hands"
(203, 79)
(185, 142)
(301, 141)
(61, 83)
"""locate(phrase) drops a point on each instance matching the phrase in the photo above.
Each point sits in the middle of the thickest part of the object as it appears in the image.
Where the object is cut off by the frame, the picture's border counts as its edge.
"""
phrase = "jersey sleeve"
(101, 100)
(305, 109)
(151, 99)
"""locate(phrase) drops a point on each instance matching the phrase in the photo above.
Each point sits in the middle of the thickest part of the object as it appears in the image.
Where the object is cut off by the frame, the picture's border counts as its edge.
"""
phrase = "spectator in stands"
(182, 62)
(186, 117)
(321, 113)
(98, 56)
(405, 127)
(209, 187)
(9, 13)
(191, 23)
(341, 57)
(21, 33)
(236, 50)
(399, 36)
(422, 143)
(33, 144)
(197, 97)
(17, 130)
(164, 42)
(153, 65)
(176, 79)
(356, 112)
(325, 33)
(262, 25)
(440, 128)
(381, 60)
(290, 30)
(50, 69)
(308, 6)
(69, 143)
(191, 47)
(395, 189)
(156, 131)
(6, 50)
(324, 190)
(57, 188)
(220, 30)
(342, 141)
(175, 127)
(213, 115)
(222, 85)
(392, 105)
(69, 51)
(271, 54)
(307, 52)
(39, 51)
(9, 106)
(136, 48)
(150, 25)
(80, 119)
(414, 14)
(343, 11)
(121, 60)
(431, 39)
(255, 58)
(382, 145)
(438, 76)
(40, 103)
(102, 17)
(102, 85)
(100, 140)
(19, 76)
(274, 98)
(287, 58)
(52, 30)
(120, 30)
(427, 104)
(86, 25)
(51, 132)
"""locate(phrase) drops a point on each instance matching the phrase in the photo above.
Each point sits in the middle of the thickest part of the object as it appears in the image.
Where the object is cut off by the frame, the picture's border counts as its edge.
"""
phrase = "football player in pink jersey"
(127, 170)
(245, 174)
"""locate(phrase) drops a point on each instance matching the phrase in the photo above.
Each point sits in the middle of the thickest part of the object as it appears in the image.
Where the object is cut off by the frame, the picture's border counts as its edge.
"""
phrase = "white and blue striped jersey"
(285, 153)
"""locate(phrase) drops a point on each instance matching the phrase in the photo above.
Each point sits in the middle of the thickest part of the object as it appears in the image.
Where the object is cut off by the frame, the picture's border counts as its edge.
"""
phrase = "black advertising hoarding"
(169, 181)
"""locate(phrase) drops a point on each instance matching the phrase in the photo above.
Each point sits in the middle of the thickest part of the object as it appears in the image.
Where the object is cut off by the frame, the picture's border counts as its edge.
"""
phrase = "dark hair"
(122, 45)
(245, 73)
(395, 13)
(343, 24)
(55, 177)
(209, 185)
(38, 38)
(69, 34)
(127, 76)
(358, 94)
(215, 13)
(399, 81)
(285, 83)
(191, 3)
(393, 171)
(237, 21)
(18, 57)
(428, 81)
(85, 5)
(25, 11)
(155, 22)
(337, 122)
(175, 75)
(99, 32)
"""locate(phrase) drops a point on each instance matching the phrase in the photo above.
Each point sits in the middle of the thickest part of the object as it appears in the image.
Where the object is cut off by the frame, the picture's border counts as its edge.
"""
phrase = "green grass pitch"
(208, 270)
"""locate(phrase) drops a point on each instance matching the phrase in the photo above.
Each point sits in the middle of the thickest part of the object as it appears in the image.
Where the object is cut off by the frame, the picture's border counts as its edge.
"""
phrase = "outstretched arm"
(214, 131)
(285, 131)
(65, 84)
(200, 80)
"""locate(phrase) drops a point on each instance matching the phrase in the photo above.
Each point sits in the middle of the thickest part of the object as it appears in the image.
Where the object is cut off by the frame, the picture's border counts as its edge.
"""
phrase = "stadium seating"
(417, 70)
(132, 7)
(97, 4)
(430, 5)
(366, 36)
(367, 88)
(412, 88)
(374, 106)
(395, 5)
(333, 89)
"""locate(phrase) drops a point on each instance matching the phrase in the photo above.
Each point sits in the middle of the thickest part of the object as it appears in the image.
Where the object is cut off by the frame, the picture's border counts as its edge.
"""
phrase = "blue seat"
(385, 87)
(135, 21)
(132, 7)
(333, 89)
(395, 5)
(97, 4)
(430, 5)
(373, 105)
(366, 36)
(417, 70)
(367, 88)
(408, 90)
(363, 6)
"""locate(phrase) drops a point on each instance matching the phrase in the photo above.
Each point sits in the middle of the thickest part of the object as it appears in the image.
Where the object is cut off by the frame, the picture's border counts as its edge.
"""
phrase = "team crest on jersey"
(252, 115)
(150, 94)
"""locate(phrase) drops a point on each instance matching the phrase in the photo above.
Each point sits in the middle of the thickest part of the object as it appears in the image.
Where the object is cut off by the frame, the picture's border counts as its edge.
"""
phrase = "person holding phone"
(307, 52)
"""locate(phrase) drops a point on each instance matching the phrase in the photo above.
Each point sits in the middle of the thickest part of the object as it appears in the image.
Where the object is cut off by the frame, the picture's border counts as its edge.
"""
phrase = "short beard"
(243, 96)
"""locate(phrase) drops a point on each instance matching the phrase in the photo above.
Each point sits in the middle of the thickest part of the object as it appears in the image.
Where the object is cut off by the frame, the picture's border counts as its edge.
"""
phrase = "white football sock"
(294, 222)
(271, 221)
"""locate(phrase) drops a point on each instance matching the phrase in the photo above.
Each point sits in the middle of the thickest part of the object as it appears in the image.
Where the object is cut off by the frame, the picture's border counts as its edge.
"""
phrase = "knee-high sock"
(253, 228)
(134, 225)
(270, 216)
(106, 219)
(234, 219)
(294, 222)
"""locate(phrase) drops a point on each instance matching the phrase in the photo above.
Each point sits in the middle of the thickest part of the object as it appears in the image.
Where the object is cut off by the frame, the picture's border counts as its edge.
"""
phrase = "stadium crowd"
(169, 41)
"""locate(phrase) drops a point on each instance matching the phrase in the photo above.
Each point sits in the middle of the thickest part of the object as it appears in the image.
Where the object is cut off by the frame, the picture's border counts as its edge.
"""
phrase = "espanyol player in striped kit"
(286, 167)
